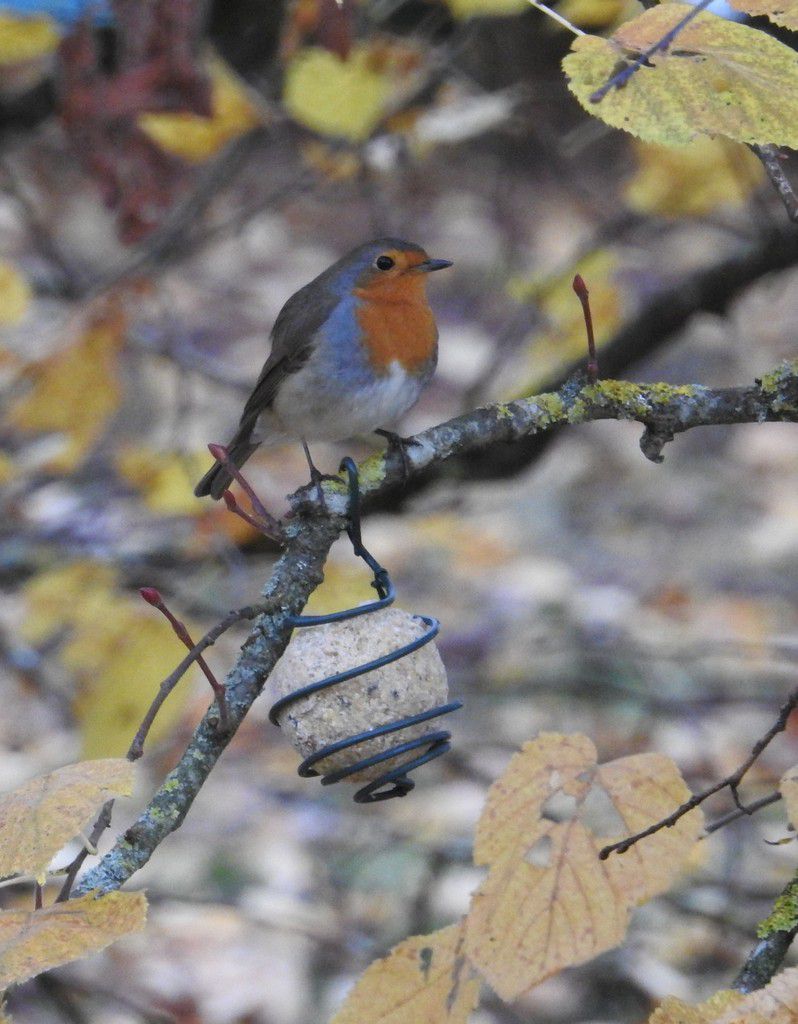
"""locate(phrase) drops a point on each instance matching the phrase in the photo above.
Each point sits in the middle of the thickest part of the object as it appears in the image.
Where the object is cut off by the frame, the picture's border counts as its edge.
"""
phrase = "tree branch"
(775, 933)
(731, 782)
(665, 410)
(771, 158)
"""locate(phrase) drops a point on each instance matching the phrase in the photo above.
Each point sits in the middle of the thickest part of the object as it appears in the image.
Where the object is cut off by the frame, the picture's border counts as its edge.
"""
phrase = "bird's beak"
(429, 265)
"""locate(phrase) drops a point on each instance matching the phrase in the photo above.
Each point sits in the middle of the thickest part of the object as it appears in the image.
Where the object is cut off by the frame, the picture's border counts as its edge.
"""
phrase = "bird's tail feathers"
(218, 479)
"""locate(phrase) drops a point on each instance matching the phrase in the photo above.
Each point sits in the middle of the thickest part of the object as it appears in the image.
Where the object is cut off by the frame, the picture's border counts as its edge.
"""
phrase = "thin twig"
(742, 812)
(619, 80)
(557, 17)
(262, 520)
(137, 746)
(731, 782)
(771, 158)
(153, 597)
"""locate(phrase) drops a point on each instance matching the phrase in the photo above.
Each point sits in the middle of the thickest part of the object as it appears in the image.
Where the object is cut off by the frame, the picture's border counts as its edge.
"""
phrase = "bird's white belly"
(321, 410)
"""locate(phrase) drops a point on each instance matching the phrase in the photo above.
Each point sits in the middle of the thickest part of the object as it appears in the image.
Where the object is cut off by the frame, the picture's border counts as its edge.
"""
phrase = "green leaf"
(716, 78)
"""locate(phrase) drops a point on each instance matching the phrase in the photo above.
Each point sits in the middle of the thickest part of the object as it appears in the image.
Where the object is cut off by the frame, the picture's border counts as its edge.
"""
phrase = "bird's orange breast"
(397, 325)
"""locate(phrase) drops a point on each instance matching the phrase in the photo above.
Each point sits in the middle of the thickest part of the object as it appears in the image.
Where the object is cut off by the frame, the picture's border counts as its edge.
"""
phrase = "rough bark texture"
(663, 409)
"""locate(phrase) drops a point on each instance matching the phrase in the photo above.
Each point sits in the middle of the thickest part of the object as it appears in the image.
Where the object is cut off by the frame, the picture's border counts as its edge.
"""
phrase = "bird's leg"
(399, 445)
(316, 476)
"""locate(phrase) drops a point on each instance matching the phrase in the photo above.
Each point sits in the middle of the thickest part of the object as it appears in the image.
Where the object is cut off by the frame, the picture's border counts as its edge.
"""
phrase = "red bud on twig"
(580, 288)
(153, 596)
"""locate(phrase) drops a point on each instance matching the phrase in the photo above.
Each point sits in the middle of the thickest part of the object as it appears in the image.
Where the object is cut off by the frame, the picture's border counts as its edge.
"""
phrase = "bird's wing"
(292, 343)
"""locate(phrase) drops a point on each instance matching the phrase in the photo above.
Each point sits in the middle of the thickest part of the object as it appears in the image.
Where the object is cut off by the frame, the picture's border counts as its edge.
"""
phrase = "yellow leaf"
(165, 479)
(788, 787)
(776, 1003)
(32, 942)
(564, 340)
(548, 901)
(7, 469)
(23, 39)
(486, 8)
(782, 12)
(719, 78)
(598, 14)
(15, 291)
(692, 180)
(196, 138)
(345, 585)
(423, 980)
(118, 649)
(337, 97)
(119, 667)
(67, 597)
(75, 392)
(40, 817)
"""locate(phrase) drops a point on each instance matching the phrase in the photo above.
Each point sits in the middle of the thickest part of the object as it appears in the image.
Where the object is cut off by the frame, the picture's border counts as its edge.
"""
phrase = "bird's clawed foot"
(398, 445)
(317, 477)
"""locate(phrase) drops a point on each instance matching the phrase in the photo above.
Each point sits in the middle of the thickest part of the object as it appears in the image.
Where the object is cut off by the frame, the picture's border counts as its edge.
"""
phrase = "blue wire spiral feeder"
(393, 782)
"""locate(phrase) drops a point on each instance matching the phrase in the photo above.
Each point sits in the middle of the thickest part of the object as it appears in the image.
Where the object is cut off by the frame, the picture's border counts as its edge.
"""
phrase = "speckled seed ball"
(408, 686)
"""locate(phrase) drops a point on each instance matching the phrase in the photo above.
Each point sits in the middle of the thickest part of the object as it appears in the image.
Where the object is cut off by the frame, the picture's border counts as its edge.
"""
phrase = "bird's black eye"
(384, 263)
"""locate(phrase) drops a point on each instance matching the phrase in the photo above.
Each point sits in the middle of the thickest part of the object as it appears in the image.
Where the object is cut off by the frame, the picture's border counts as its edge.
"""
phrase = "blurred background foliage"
(170, 172)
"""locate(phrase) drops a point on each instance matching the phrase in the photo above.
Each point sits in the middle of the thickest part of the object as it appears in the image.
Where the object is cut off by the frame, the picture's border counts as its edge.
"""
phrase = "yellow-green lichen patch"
(371, 473)
(785, 913)
(627, 397)
(551, 408)
(771, 382)
(660, 393)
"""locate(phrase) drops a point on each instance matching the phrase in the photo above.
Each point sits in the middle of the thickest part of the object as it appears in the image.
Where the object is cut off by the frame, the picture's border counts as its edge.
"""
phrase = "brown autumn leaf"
(41, 816)
(75, 392)
(34, 941)
(782, 12)
(424, 980)
(548, 901)
(776, 1003)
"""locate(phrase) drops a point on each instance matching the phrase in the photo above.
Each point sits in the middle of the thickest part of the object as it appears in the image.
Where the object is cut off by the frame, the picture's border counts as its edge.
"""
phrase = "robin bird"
(351, 351)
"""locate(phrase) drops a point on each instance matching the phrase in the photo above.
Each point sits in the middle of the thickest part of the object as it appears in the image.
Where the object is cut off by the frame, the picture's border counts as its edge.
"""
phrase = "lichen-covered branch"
(295, 577)
(664, 410)
(776, 934)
